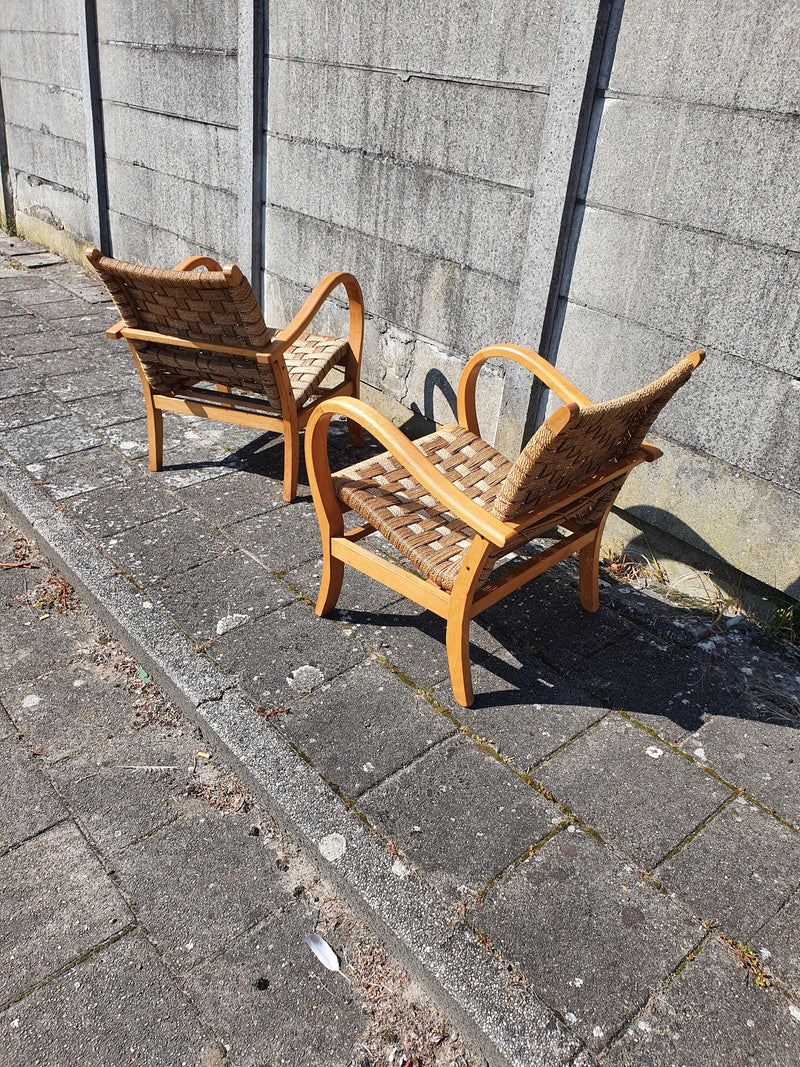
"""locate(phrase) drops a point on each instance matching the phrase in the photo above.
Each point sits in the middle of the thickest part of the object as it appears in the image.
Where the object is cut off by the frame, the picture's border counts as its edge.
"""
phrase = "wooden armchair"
(454, 506)
(190, 326)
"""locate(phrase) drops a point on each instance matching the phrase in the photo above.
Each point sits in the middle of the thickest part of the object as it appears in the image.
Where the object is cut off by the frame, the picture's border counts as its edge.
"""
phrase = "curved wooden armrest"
(406, 452)
(531, 361)
(193, 262)
(314, 301)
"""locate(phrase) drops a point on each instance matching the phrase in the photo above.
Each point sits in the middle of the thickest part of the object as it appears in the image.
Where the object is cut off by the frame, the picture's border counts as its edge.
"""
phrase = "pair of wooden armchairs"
(449, 502)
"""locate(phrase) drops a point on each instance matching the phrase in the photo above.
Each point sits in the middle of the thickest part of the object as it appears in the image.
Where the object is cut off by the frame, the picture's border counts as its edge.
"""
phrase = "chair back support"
(217, 307)
(595, 436)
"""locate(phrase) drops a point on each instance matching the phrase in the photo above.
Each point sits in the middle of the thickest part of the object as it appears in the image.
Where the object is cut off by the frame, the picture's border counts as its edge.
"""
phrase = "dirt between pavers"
(402, 1027)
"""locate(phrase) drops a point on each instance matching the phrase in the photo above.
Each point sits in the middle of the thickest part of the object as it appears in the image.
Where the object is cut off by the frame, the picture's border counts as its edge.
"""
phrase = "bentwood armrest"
(314, 301)
(531, 361)
(151, 337)
(406, 453)
(193, 262)
(115, 332)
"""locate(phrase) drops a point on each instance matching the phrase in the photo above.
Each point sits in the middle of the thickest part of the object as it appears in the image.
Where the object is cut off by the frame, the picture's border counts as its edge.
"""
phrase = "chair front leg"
(459, 614)
(589, 568)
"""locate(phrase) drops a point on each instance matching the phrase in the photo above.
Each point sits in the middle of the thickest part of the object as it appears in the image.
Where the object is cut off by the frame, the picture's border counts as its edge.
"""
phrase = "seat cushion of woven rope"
(309, 359)
(386, 496)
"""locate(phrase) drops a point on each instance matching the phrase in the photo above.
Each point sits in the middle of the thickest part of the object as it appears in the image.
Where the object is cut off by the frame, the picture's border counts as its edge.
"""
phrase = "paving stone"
(117, 1006)
(643, 798)
(33, 260)
(413, 641)
(23, 322)
(121, 507)
(198, 883)
(778, 943)
(28, 289)
(738, 871)
(592, 938)
(286, 655)
(28, 802)
(169, 545)
(109, 409)
(73, 308)
(363, 726)
(67, 710)
(42, 341)
(81, 472)
(459, 815)
(37, 443)
(763, 758)
(199, 459)
(95, 382)
(75, 361)
(29, 409)
(30, 646)
(7, 727)
(313, 1017)
(281, 539)
(524, 709)
(360, 594)
(131, 439)
(219, 596)
(14, 383)
(124, 788)
(233, 497)
(712, 1014)
(56, 902)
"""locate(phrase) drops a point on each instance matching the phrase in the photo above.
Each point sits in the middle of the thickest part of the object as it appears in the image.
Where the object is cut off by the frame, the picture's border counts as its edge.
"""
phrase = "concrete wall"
(686, 234)
(613, 183)
(42, 93)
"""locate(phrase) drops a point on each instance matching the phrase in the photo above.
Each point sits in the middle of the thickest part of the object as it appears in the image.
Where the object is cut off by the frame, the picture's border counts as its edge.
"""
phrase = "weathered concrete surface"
(583, 762)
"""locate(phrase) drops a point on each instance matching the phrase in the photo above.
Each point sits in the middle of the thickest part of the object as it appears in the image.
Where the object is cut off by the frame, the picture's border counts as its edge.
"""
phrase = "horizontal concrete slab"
(135, 239)
(167, 81)
(193, 151)
(32, 104)
(201, 24)
(48, 156)
(430, 122)
(517, 41)
(38, 56)
(708, 52)
(469, 222)
(688, 283)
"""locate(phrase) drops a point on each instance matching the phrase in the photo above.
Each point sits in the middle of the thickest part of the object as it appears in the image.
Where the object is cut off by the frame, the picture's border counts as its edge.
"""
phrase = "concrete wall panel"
(443, 215)
(431, 123)
(689, 285)
(210, 24)
(51, 203)
(504, 40)
(50, 109)
(44, 156)
(45, 16)
(729, 172)
(136, 239)
(185, 150)
(733, 410)
(193, 85)
(714, 51)
(47, 58)
(199, 214)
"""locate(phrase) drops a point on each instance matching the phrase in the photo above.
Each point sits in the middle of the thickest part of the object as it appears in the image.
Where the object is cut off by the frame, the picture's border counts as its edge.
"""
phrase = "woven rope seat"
(454, 506)
(200, 325)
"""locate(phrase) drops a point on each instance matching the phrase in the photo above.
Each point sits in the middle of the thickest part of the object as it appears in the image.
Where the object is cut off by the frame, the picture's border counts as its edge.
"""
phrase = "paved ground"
(597, 863)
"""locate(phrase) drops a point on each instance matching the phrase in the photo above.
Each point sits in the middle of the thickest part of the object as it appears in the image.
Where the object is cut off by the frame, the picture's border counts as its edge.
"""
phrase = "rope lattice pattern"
(385, 495)
(203, 306)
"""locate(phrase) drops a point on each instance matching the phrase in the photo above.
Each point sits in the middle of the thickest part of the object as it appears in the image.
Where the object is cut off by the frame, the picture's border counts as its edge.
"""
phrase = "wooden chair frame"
(223, 405)
(467, 597)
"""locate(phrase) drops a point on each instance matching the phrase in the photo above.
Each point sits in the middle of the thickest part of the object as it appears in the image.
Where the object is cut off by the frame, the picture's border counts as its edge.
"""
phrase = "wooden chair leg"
(155, 436)
(458, 656)
(589, 569)
(356, 433)
(291, 462)
(331, 584)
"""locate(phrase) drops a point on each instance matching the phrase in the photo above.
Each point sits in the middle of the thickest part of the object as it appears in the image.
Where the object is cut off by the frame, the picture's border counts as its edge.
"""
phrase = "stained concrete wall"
(611, 182)
(42, 93)
(686, 234)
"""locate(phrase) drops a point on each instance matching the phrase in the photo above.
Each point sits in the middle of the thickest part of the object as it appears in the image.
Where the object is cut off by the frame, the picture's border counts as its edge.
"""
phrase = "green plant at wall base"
(785, 621)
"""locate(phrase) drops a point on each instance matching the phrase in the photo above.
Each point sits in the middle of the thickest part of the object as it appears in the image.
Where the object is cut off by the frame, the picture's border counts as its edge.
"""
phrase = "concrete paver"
(553, 731)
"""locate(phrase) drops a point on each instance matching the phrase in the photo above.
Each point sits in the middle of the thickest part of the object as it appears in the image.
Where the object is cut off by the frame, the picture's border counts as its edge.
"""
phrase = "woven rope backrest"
(597, 435)
(195, 305)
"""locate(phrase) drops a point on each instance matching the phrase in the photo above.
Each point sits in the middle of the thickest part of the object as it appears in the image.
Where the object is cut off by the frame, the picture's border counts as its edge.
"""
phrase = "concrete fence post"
(581, 43)
(96, 178)
(252, 100)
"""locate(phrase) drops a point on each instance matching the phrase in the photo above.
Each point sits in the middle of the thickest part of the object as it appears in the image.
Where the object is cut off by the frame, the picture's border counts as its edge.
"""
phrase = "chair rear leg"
(331, 583)
(589, 569)
(291, 462)
(155, 435)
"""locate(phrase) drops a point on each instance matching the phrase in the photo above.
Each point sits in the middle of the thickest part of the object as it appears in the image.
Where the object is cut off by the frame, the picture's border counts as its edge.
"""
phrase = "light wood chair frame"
(468, 597)
(247, 410)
